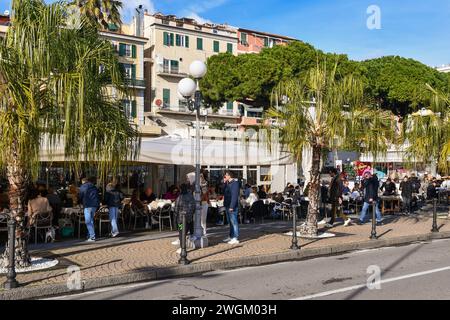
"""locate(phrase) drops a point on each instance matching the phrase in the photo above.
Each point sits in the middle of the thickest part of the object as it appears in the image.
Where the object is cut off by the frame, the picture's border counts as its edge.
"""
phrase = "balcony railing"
(171, 71)
(136, 82)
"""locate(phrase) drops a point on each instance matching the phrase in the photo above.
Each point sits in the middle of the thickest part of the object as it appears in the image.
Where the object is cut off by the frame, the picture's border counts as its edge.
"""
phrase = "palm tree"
(54, 89)
(427, 132)
(325, 111)
(101, 12)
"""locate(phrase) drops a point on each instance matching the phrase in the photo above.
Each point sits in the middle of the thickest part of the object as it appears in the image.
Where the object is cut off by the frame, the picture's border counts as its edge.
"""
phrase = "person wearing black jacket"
(231, 203)
(335, 197)
(113, 199)
(389, 188)
(431, 191)
(406, 187)
(370, 185)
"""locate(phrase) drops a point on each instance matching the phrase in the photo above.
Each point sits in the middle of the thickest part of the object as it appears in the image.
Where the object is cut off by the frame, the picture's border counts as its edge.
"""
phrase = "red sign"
(361, 167)
(158, 102)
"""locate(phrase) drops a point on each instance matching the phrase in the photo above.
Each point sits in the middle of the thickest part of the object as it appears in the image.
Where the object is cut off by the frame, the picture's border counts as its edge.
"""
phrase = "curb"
(150, 274)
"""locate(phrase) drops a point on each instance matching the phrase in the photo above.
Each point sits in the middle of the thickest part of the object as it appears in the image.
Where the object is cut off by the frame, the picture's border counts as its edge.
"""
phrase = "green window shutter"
(229, 47)
(166, 39)
(133, 71)
(230, 106)
(133, 109)
(216, 46)
(133, 51)
(199, 43)
(166, 96)
(186, 41)
(266, 42)
(122, 49)
(171, 39)
(178, 40)
(174, 65)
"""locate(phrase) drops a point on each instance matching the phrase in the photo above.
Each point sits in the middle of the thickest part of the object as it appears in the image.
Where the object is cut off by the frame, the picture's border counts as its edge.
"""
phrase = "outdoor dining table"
(394, 201)
(158, 204)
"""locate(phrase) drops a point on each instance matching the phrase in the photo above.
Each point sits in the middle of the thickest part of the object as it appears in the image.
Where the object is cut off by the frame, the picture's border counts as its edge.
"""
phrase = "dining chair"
(43, 221)
(102, 216)
(164, 213)
(136, 213)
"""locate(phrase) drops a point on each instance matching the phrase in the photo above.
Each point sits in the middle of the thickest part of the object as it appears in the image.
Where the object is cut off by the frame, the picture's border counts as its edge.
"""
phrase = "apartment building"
(174, 43)
(251, 41)
(4, 23)
(444, 68)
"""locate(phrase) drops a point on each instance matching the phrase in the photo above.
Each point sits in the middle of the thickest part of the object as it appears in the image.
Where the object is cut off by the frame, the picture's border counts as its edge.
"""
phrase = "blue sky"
(411, 28)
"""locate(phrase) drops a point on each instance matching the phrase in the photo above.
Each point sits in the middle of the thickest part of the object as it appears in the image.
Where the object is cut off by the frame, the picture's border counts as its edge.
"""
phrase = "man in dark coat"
(407, 189)
(370, 185)
(231, 203)
(89, 197)
(335, 198)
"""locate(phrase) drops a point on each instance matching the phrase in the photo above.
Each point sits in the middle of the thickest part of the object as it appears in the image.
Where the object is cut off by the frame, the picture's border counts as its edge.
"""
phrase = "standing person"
(406, 187)
(335, 197)
(113, 199)
(247, 191)
(205, 207)
(262, 193)
(89, 199)
(231, 203)
(370, 184)
(185, 204)
(55, 203)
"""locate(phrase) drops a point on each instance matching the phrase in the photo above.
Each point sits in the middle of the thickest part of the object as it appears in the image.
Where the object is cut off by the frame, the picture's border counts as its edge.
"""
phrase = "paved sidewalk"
(150, 256)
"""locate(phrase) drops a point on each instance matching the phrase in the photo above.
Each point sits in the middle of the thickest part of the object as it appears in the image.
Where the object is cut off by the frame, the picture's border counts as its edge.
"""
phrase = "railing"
(137, 82)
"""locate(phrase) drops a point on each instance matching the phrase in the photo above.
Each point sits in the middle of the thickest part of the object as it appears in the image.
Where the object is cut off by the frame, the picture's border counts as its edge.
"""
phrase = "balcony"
(136, 82)
(170, 72)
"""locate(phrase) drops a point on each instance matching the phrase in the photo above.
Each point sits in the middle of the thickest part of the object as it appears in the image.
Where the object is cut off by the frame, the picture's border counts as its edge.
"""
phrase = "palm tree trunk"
(310, 228)
(18, 182)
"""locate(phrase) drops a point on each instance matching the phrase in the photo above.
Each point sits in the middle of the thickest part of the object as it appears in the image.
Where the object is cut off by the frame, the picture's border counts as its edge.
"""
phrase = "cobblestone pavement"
(147, 250)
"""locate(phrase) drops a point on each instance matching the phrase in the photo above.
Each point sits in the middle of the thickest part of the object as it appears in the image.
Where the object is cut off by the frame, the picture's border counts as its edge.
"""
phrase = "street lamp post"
(188, 88)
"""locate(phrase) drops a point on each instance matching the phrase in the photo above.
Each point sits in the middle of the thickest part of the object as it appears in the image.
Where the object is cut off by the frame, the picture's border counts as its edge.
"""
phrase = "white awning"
(181, 151)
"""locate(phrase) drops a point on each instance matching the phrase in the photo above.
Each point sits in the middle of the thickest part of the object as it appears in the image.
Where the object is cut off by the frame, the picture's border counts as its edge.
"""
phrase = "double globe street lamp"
(188, 88)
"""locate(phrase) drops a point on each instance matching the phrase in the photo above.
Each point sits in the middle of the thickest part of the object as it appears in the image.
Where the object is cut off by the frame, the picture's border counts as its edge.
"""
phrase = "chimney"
(139, 20)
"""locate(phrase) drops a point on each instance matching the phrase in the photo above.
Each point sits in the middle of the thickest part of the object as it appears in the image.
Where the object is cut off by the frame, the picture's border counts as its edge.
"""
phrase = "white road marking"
(131, 286)
(408, 276)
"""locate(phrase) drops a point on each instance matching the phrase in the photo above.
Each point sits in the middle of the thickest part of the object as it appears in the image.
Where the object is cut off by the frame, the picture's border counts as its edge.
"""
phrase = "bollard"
(294, 245)
(183, 255)
(435, 227)
(11, 281)
(373, 235)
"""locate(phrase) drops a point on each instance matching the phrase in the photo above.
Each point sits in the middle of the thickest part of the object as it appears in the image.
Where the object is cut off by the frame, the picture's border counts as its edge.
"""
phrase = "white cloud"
(129, 6)
(197, 18)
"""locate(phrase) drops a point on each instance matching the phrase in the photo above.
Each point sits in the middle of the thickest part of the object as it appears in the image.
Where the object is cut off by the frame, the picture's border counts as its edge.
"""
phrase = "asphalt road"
(418, 271)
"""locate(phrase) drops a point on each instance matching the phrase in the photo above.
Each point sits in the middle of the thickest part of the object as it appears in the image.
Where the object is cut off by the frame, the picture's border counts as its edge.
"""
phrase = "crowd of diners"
(336, 198)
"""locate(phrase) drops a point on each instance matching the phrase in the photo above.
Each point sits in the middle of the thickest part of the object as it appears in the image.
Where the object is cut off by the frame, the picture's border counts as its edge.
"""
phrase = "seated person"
(252, 198)
(262, 193)
(389, 188)
(137, 203)
(37, 204)
(172, 194)
(346, 189)
(147, 196)
(278, 197)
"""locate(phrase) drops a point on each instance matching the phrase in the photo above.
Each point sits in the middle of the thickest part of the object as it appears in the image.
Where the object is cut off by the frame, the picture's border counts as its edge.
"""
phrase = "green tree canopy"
(399, 84)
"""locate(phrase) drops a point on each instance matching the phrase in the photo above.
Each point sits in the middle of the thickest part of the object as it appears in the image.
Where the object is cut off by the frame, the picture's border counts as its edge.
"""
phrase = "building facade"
(174, 43)
(251, 41)
(445, 69)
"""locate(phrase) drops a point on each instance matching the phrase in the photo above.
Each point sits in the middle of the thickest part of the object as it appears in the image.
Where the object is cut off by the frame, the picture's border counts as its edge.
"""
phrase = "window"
(199, 43)
(127, 50)
(169, 39)
(171, 66)
(174, 66)
(265, 175)
(166, 97)
(165, 21)
(129, 108)
(229, 47)
(230, 107)
(182, 41)
(244, 39)
(266, 42)
(216, 46)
